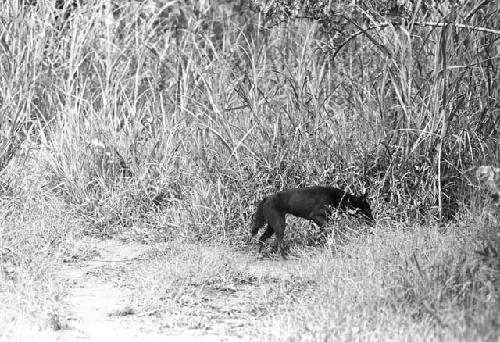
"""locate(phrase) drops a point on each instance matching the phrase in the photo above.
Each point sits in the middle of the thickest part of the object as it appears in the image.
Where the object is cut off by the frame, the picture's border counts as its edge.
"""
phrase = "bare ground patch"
(370, 287)
(136, 292)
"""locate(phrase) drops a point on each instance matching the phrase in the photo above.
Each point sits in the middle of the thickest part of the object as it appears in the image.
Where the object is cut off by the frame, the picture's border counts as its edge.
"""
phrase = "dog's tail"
(258, 218)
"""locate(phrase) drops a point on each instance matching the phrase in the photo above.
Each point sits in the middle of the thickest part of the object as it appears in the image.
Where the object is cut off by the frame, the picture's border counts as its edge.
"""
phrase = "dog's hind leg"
(280, 235)
(275, 218)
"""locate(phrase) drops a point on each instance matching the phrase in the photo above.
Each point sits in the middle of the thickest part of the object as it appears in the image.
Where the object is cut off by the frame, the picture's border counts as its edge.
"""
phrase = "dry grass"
(395, 286)
(33, 228)
(402, 283)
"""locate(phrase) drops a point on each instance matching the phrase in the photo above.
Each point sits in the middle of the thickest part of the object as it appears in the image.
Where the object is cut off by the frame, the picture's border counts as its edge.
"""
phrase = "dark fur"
(314, 203)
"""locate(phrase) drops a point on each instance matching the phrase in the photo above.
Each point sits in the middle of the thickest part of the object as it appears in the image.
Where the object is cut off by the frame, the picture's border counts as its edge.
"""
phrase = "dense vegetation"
(156, 120)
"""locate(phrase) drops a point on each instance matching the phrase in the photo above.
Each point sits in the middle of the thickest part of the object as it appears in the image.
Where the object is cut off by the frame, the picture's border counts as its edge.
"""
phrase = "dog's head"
(359, 206)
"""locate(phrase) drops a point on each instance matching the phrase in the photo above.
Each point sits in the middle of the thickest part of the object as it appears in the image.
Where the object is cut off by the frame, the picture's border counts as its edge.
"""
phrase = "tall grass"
(152, 96)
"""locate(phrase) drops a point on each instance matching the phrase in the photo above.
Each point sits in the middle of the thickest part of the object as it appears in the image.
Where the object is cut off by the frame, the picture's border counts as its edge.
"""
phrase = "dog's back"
(311, 201)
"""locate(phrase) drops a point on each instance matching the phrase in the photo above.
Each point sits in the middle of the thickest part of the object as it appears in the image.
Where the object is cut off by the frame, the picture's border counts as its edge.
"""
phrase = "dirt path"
(98, 304)
(97, 308)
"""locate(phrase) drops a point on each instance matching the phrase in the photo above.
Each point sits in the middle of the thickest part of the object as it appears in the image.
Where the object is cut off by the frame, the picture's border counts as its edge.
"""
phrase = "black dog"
(314, 203)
